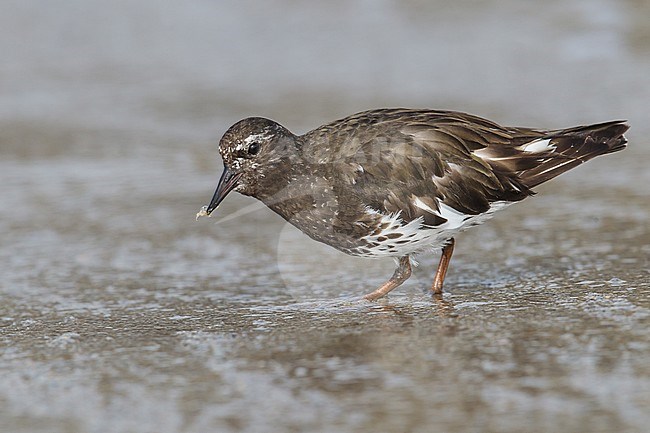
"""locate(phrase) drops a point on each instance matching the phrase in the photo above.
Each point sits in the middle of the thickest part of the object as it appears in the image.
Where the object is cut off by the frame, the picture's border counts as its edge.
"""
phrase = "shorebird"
(398, 182)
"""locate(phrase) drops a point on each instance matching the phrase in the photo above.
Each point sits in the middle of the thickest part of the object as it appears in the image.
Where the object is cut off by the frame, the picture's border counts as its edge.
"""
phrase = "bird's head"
(252, 149)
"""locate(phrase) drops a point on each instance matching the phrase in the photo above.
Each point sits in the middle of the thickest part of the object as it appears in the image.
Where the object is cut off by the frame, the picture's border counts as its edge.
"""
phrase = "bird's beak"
(226, 184)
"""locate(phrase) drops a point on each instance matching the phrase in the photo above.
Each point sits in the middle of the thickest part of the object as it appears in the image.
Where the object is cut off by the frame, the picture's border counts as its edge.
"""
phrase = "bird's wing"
(426, 163)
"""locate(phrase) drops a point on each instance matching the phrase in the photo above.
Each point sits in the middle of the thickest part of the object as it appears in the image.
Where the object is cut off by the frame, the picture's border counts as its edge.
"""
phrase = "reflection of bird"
(396, 182)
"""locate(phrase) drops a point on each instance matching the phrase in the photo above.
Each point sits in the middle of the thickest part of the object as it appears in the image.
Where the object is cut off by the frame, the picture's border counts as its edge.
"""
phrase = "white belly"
(400, 239)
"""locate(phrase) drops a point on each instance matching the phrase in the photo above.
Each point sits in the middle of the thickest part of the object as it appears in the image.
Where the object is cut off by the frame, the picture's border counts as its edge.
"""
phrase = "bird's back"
(412, 161)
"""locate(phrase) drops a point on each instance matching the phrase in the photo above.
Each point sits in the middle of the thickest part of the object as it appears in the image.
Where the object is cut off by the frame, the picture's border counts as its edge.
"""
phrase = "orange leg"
(439, 279)
(401, 274)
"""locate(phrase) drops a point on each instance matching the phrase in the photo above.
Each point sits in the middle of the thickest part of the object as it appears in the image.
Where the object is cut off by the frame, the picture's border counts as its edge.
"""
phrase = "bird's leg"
(401, 274)
(447, 251)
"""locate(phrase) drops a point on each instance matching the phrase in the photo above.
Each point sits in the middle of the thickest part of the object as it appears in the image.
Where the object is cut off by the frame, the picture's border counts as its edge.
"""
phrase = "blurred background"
(119, 312)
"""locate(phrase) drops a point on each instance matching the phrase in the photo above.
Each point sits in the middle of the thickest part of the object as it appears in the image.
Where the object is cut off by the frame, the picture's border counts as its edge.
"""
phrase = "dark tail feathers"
(573, 146)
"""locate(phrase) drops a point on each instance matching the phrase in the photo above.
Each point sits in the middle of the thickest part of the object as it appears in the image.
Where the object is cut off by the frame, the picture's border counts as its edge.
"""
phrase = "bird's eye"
(254, 148)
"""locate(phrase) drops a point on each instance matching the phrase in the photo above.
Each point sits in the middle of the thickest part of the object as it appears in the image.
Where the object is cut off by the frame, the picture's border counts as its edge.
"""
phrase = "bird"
(397, 182)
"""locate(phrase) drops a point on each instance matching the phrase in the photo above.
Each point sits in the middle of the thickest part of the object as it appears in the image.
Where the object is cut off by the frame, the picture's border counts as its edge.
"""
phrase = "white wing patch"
(422, 205)
(538, 146)
(455, 219)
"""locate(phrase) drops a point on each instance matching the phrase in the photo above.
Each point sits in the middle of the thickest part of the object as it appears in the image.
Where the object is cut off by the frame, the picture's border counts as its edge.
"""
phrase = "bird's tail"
(565, 149)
